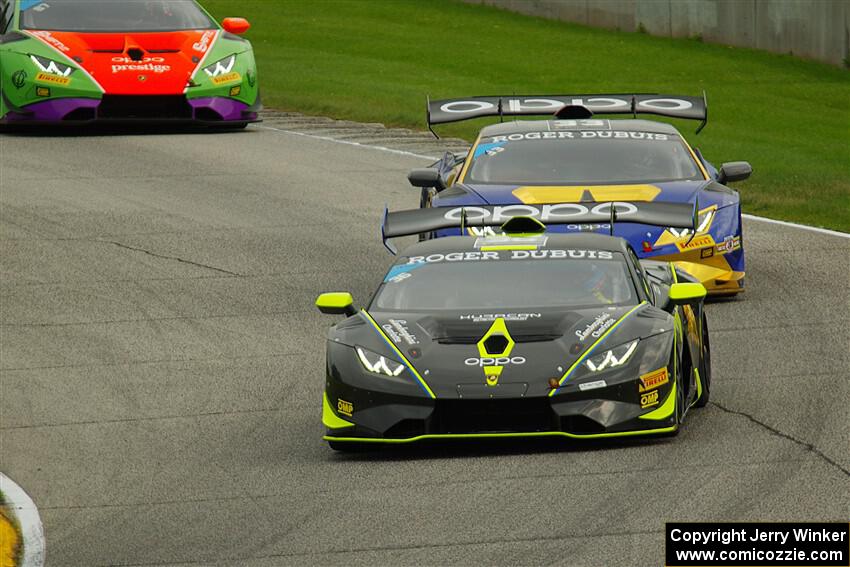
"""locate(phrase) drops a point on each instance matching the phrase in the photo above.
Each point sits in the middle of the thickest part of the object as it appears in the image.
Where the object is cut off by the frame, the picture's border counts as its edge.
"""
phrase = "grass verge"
(375, 60)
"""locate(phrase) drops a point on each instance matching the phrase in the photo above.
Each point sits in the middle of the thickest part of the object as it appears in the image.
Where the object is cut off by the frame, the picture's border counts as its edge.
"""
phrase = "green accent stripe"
(329, 418)
(666, 409)
(589, 351)
(399, 353)
(502, 435)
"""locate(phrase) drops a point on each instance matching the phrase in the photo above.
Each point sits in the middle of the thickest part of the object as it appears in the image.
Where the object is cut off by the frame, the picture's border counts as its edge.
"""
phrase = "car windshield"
(575, 157)
(113, 15)
(507, 279)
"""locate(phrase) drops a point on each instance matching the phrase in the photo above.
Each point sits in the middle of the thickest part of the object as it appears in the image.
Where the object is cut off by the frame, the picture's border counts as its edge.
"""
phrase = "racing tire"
(705, 374)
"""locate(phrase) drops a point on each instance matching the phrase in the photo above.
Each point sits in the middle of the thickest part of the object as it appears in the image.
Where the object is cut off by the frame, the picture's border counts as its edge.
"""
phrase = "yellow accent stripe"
(468, 161)
(699, 386)
(509, 247)
(696, 159)
(329, 418)
(666, 409)
(399, 353)
(503, 435)
(587, 352)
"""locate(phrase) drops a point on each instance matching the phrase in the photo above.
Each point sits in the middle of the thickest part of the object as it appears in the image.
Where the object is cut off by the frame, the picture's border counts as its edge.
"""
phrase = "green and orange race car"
(80, 61)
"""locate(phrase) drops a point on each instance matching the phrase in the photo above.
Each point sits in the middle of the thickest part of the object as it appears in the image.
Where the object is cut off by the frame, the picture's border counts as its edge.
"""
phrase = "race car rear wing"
(419, 221)
(673, 106)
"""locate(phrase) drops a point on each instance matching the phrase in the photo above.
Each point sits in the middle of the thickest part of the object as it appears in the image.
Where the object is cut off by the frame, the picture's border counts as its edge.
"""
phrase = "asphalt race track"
(162, 369)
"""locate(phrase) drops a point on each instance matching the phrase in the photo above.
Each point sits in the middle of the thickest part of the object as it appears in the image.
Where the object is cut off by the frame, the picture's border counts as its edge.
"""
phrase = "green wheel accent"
(665, 410)
(330, 419)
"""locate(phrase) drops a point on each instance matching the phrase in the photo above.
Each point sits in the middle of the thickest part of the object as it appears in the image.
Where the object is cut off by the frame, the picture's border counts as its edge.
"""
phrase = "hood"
(446, 349)
(160, 63)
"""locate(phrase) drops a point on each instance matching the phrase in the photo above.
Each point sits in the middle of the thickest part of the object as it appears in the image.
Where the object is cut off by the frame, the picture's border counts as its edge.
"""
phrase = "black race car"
(526, 333)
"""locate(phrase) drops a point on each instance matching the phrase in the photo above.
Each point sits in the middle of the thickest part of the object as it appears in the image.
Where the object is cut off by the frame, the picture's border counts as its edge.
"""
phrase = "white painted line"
(349, 143)
(26, 514)
(421, 156)
(800, 226)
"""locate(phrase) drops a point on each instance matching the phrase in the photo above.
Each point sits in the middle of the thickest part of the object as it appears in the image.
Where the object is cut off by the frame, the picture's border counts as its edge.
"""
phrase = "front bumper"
(121, 108)
(416, 419)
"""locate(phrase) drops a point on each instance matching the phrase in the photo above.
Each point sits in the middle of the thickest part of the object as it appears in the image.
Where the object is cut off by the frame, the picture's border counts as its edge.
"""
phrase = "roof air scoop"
(573, 112)
(135, 54)
(523, 225)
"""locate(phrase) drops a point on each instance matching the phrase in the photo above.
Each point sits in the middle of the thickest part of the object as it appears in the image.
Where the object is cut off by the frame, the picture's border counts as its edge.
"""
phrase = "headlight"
(377, 364)
(617, 356)
(221, 67)
(703, 222)
(52, 67)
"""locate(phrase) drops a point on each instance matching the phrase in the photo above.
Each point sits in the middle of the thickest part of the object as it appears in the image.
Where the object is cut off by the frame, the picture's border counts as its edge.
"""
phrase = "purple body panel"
(55, 111)
(229, 109)
(50, 110)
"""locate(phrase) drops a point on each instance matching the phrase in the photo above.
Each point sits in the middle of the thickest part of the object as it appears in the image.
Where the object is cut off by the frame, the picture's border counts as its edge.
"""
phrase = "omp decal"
(538, 195)
(592, 347)
(345, 408)
(493, 362)
(228, 78)
(329, 418)
(653, 380)
(666, 409)
(649, 399)
(52, 79)
(400, 355)
(658, 431)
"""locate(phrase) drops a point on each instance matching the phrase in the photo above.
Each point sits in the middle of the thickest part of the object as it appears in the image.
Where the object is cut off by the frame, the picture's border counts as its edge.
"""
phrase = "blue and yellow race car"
(577, 157)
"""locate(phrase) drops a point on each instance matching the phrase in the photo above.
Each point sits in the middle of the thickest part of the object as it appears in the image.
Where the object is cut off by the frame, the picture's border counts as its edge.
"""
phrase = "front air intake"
(132, 107)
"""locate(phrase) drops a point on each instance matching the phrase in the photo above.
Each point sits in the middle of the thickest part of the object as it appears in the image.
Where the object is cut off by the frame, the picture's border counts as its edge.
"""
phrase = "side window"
(641, 275)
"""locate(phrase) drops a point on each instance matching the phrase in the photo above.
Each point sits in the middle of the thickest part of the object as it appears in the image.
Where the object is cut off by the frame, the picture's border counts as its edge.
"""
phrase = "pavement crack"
(805, 445)
(166, 257)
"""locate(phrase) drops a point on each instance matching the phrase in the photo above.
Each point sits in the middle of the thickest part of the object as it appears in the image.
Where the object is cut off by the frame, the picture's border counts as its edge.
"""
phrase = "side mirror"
(734, 171)
(686, 293)
(426, 177)
(235, 25)
(338, 303)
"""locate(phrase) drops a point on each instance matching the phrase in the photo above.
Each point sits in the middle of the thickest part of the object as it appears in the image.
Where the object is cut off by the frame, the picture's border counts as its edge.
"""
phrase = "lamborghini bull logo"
(494, 352)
